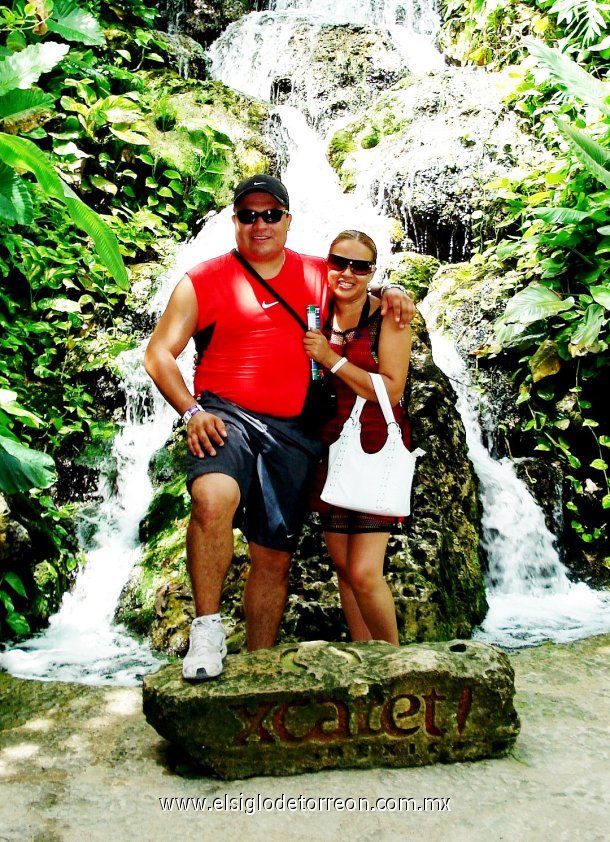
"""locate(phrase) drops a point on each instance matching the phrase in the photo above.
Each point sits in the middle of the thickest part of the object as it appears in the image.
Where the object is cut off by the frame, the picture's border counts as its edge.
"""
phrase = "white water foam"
(530, 595)
(81, 644)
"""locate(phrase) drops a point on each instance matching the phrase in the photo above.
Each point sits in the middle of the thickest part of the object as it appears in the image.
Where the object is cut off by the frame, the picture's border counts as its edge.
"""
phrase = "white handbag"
(375, 483)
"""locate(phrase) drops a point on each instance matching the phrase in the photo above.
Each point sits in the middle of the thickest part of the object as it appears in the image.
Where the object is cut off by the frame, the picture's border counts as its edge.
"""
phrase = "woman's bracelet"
(338, 365)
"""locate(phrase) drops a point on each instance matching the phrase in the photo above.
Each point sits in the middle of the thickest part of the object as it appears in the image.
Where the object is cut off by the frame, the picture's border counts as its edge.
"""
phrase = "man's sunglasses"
(270, 216)
(358, 267)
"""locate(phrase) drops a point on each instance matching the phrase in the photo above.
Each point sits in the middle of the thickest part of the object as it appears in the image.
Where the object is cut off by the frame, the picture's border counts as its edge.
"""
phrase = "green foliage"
(76, 156)
(74, 24)
(24, 68)
(14, 619)
(491, 32)
(556, 328)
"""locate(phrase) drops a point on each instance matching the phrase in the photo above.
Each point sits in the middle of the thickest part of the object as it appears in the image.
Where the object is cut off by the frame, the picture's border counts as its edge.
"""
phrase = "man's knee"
(214, 498)
(270, 563)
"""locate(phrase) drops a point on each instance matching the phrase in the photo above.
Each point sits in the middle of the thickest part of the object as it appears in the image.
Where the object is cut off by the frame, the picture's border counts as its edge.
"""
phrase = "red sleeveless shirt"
(250, 349)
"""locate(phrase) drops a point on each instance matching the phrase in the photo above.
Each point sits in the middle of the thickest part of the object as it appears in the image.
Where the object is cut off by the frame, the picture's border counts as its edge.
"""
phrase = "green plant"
(557, 326)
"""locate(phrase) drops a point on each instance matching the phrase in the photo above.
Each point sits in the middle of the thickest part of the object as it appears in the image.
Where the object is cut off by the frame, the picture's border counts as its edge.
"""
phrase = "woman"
(360, 340)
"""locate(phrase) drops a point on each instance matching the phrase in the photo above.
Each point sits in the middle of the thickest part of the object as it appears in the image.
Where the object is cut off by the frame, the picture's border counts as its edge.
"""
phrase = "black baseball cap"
(262, 183)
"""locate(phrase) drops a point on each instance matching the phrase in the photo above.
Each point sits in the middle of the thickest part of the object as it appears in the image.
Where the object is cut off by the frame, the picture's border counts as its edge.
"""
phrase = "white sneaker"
(207, 648)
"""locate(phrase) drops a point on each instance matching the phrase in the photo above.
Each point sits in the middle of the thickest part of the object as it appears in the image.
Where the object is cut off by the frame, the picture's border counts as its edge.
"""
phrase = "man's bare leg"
(265, 595)
(209, 538)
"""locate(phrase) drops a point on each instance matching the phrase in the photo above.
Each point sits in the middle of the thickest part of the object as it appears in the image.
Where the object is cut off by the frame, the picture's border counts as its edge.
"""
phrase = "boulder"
(299, 708)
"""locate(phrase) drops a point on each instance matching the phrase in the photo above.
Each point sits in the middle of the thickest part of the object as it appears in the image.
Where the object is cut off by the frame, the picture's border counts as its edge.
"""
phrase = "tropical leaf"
(583, 19)
(104, 239)
(116, 109)
(129, 136)
(22, 468)
(545, 361)
(593, 155)
(516, 335)
(601, 294)
(535, 302)
(21, 105)
(23, 69)
(17, 622)
(8, 403)
(15, 200)
(584, 339)
(23, 154)
(562, 216)
(75, 24)
(577, 82)
(15, 582)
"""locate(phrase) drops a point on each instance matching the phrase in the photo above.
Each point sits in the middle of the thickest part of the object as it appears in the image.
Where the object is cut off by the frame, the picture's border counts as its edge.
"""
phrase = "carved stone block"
(315, 705)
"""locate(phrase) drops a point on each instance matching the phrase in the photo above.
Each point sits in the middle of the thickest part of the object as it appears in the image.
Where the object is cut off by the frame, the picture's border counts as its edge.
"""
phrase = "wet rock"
(328, 70)
(465, 299)
(204, 20)
(428, 148)
(304, 708)
(15, 542)
(186, 54)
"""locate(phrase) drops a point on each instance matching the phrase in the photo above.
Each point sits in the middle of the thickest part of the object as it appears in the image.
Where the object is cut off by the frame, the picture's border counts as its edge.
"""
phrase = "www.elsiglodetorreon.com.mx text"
(293, 803)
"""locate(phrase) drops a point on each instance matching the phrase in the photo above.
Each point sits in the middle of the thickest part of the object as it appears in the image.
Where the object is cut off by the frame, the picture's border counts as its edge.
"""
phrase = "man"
(247, 452)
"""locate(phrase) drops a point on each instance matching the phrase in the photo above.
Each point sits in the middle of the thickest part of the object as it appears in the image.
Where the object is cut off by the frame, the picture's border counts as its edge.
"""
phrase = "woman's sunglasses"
(269, 216)
(358, 267)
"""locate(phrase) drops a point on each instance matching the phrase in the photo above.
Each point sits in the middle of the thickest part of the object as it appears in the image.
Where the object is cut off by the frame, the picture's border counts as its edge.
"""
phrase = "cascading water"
(257, 49)
(530, 596)
(412, 24)
(81, 644)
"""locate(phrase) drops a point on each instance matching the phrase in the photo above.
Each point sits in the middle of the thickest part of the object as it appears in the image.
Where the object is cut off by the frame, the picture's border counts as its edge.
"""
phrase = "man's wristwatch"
(192, 410)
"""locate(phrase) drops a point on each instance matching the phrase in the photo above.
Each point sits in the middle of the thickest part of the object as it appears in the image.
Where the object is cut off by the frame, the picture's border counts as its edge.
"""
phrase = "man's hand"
(203, 431)
(397, 300)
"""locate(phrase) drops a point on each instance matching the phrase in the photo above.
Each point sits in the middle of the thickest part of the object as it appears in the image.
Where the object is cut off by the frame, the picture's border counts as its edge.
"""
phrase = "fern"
(565, 72)
(584, 20)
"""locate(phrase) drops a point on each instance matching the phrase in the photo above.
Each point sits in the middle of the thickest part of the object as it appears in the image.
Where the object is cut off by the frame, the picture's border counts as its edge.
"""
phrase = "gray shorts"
(272, 461)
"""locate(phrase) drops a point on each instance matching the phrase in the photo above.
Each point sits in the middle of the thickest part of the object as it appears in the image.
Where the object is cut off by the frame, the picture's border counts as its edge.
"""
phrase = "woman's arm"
(394, 357)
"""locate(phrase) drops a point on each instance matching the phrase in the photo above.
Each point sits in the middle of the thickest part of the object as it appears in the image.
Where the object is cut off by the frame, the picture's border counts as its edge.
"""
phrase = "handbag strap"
(383, 398)
(269, 288)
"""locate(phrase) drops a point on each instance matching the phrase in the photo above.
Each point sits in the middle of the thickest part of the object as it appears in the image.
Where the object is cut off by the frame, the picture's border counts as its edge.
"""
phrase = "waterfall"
(530, 595)
(80, 643)
(258, 49)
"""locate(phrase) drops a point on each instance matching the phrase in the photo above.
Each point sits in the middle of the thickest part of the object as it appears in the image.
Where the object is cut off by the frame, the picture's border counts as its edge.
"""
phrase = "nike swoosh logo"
(265, 305)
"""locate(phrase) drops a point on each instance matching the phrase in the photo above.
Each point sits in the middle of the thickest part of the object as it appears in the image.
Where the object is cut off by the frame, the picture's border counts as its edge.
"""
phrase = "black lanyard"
(269, 288)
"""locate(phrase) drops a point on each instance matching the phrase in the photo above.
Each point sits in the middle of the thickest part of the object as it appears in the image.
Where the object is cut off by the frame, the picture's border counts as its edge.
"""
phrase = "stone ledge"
(303, 707)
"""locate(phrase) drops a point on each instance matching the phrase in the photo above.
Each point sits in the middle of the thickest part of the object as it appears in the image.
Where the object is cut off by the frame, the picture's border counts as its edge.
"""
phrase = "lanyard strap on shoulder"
(269, 288)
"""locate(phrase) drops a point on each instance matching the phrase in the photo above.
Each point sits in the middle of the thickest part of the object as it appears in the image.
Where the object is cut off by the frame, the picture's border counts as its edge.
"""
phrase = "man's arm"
(170, 337)
(394, 297)
(174, 329)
